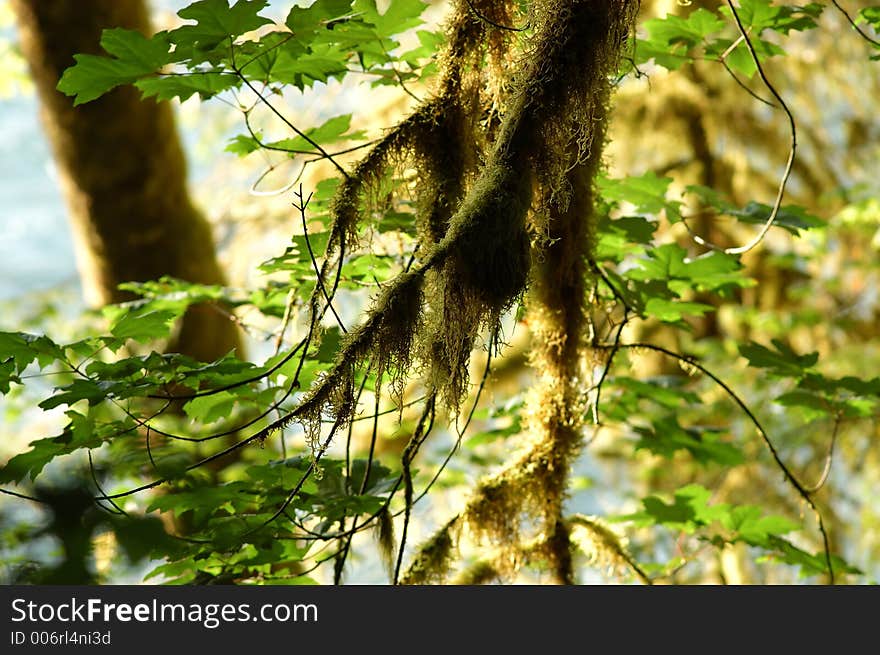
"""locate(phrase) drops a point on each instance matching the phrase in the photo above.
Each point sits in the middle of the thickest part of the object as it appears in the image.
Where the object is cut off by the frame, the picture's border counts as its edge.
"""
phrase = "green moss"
(434, 559)
(476, 260)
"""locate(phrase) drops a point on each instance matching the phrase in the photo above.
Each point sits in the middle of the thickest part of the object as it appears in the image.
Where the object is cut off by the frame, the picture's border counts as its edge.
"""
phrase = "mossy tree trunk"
(122, 171)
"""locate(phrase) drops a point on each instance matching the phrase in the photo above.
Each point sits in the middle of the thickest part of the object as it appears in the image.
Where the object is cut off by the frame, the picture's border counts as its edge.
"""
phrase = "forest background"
(710, 416)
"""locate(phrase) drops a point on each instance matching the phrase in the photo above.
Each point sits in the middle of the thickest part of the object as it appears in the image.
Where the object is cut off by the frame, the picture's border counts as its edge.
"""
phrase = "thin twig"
(826, 469)
(114, 508)
(342, 553)
(491, 22)
(744, 86)
(464, 428)
(789, 476)
(293, 127)
(303, 203)
(346, 549)
(788, 166)
(407, 457)
(9, 492)
(299, 485)
(855, 26)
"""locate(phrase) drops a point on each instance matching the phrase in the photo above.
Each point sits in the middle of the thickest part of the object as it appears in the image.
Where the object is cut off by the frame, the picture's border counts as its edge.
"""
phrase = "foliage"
(407, 229)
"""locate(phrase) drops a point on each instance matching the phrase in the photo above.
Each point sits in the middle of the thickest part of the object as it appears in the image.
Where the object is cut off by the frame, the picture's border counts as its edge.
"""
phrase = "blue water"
(36, 252)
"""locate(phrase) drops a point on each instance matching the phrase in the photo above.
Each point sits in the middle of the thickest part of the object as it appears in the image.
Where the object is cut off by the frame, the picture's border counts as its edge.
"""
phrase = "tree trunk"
(122, 171)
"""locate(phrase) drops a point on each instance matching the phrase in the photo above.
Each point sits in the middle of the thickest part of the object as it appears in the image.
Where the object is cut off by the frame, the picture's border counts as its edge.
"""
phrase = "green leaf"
(812, 405)
(330, 342)
(206, 501)
(210, 408)
(758, 15)
(740, 59)
(330, 131)
(140, 536)
(665, 437)
(184, 86)
(302, 70)
(673, 311)
(751, 526)
(372, 268)
(399, 16)
(666, 391)
(647, 192)
(218, 22)
(306, 22)
(78, 390)
(790, 217)
(397, 221)
(810, 564)
(380, 478)
(179, 572)
(431, 42)
(712, 271)
(691, 31)
(688, 511)
(133, 57)
(782, 362)
(243, 144)
(15, 348)
(671, 57)
(871, 16)
(144, 324)
(638, 293)
(79, 433)
(8, 375)
(623, 237)
(672, 41)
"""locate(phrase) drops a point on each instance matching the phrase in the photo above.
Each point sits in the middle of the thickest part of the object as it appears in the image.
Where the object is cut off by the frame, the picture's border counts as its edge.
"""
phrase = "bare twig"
(789, 476)
(855, 26)
(788, 166)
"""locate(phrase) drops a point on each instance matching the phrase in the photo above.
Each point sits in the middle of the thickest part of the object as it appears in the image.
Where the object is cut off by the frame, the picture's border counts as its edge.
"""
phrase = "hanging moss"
(602, 546)
(435, 558)
(477, 258)
(480, 573)
(545, 159)
(385, 539)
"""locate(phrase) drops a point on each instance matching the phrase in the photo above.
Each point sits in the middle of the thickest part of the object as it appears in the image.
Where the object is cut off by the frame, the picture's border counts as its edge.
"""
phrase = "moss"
(602, 546)
(554, 125)
(479, 573)
(477, 259)
(385, 539)
(434, 559)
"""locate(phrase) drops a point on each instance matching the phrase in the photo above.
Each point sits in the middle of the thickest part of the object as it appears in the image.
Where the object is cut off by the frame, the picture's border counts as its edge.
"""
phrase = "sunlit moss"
(476, 224)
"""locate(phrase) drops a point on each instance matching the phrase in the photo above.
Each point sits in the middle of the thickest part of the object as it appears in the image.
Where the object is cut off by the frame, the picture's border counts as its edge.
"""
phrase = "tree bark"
(122, 171)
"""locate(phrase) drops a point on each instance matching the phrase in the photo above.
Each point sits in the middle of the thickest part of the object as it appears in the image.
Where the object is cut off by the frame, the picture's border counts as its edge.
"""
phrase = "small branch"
(398, 75)
(789, 476)
(299, 485)
(16, 494)
(303, 203)
(233, 385)
(294, 128)
(409, 453)
(464, 428)
(115, 509)
(491, 22)
(788, 166)
(855, 26)
(826, 469)
(743, 85)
